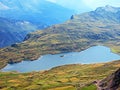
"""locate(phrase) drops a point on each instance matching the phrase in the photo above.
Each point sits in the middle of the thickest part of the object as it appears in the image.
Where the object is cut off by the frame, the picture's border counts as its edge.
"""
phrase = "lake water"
(96, 54)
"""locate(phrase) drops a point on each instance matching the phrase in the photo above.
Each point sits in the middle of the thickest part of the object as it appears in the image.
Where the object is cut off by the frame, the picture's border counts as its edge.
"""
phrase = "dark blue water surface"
(96, 54)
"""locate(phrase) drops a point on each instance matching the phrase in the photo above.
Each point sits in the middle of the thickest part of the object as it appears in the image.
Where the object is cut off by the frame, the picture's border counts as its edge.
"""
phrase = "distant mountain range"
(20, 17)
(12, 31)
(34, 11)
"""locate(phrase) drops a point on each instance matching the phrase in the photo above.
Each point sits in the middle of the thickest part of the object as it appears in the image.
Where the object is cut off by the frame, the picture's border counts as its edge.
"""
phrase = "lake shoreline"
(36, 58)
(49, 61)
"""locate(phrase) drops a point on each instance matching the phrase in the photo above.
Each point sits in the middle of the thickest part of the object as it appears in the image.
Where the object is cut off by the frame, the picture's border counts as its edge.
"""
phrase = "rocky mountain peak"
(108, 8)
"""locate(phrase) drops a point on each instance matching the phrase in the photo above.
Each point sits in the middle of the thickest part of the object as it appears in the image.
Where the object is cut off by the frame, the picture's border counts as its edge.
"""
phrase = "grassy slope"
(91, 87)
(68, 77)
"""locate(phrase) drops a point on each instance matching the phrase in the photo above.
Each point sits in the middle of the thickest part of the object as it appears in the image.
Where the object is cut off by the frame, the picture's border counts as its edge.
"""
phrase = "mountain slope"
(77, 34)
(35, 11)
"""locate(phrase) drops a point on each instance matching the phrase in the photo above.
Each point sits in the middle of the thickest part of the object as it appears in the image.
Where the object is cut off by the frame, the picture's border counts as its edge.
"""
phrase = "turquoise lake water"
(96, 54)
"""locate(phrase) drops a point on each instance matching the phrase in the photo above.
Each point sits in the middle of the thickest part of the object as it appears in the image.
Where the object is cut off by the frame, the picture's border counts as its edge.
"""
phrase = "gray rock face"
(112, 82)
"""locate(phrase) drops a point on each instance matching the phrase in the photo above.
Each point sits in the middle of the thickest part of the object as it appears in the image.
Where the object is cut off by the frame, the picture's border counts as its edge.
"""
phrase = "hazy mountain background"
(85, 5)
(35, 11)
(12, 31)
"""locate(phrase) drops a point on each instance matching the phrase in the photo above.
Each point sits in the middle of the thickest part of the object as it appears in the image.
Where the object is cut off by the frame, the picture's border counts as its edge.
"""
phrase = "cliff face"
(112, 82)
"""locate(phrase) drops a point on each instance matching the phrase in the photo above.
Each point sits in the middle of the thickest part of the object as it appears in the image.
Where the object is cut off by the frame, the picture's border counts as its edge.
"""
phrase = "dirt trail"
(97, 83)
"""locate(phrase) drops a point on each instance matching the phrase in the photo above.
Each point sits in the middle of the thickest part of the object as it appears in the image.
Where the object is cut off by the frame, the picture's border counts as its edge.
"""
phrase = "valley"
(100, 27)
(77, 34)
